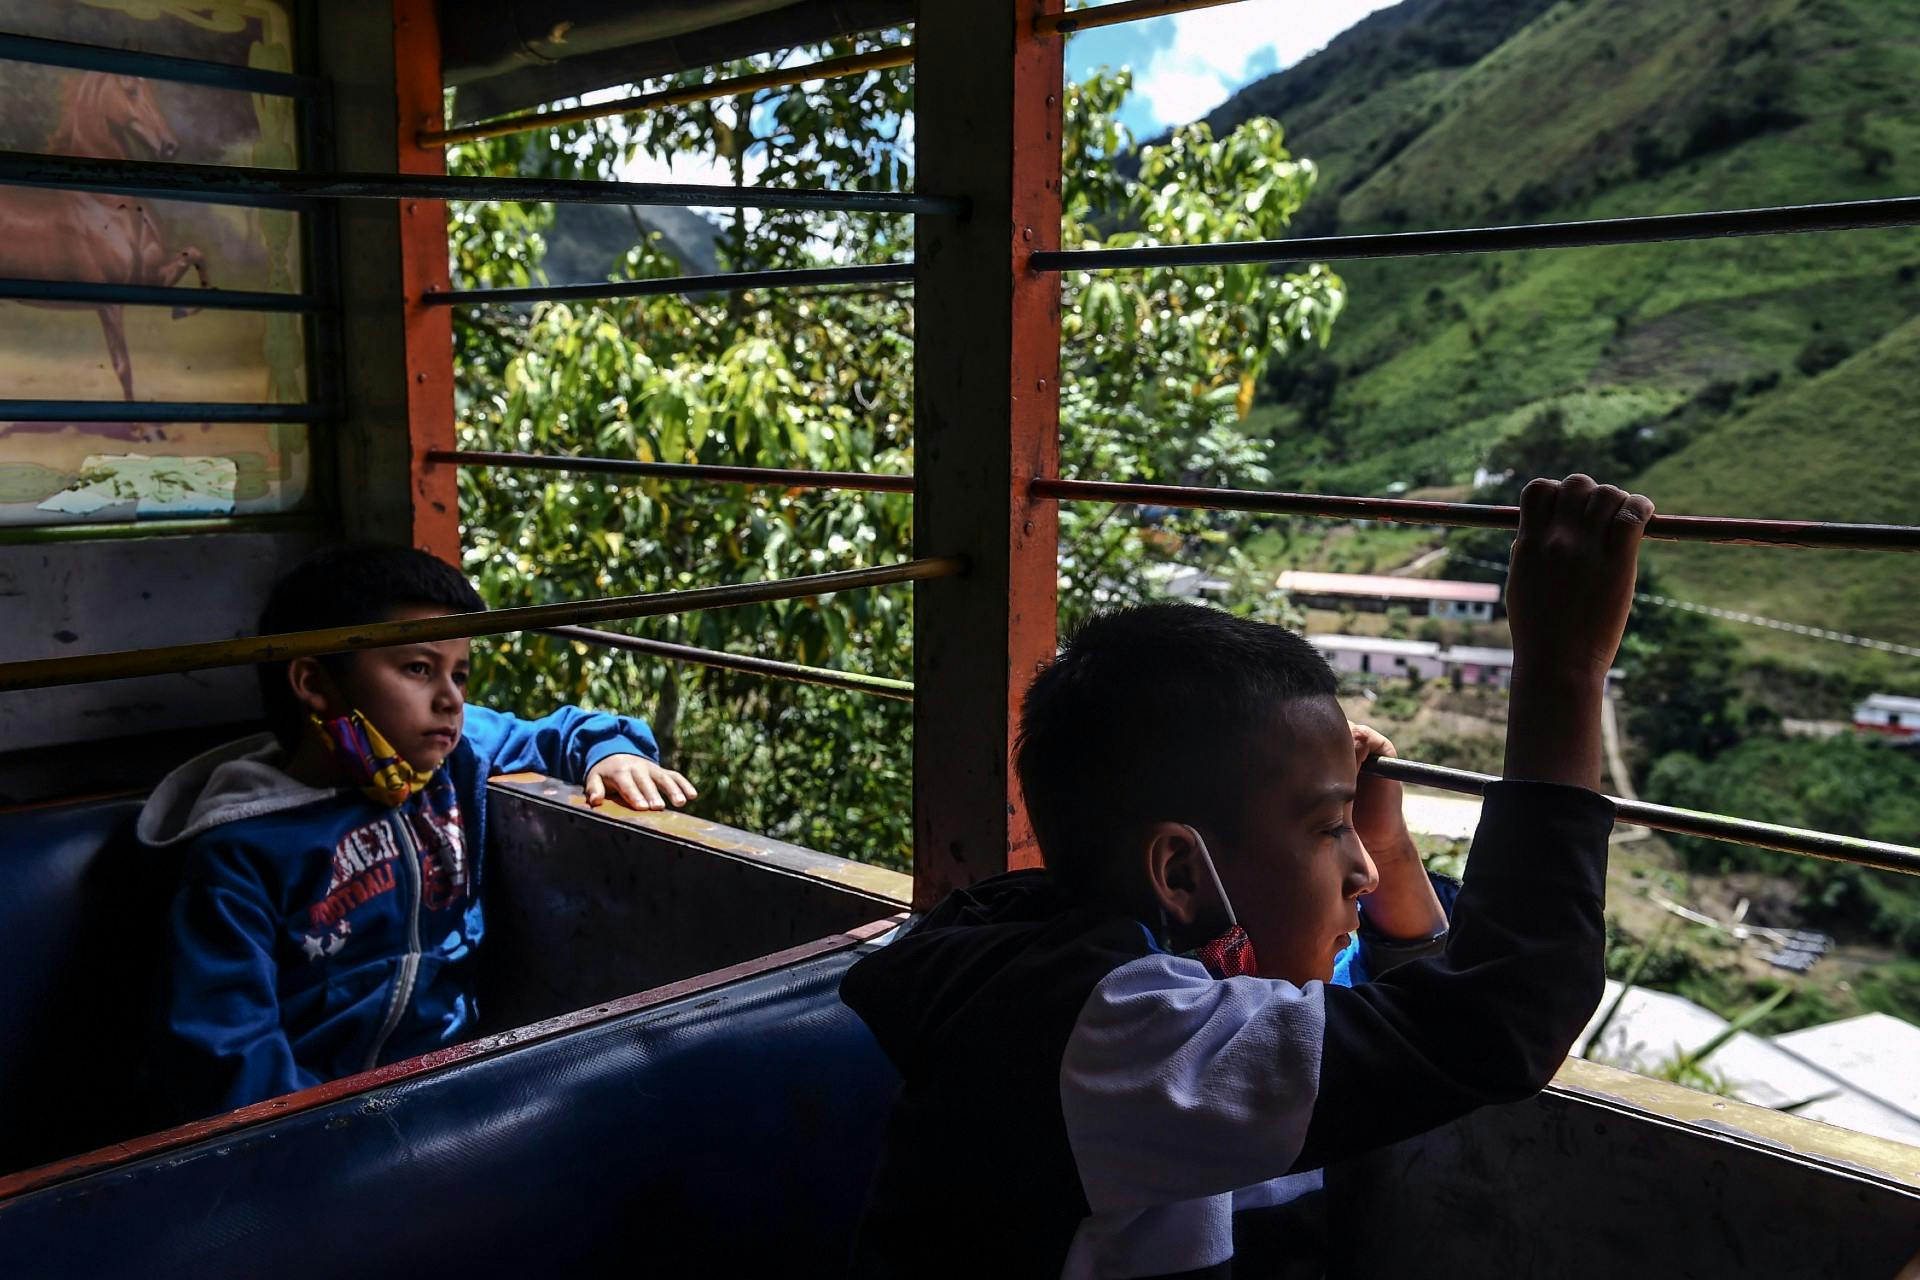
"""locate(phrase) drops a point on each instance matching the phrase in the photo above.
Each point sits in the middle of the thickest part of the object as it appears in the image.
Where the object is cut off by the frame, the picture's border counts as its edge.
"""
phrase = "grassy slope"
(1439, 358)
(1840, 446)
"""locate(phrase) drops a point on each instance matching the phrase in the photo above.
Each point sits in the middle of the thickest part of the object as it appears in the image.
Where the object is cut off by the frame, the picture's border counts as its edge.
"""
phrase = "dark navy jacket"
(317, 933)
(1103, 1108)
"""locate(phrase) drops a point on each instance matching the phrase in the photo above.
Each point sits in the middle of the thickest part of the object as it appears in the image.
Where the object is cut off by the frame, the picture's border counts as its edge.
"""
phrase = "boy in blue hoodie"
(330, 905)
(1126, 1064)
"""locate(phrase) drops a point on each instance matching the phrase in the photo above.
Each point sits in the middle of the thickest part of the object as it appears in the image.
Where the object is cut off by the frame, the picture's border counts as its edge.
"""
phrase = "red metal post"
(986, 411)
(424, 269)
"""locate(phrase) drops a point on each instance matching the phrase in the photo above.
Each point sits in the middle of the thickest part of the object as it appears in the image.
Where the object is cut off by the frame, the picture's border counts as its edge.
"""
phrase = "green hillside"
(1839, 446)
(1759, 376)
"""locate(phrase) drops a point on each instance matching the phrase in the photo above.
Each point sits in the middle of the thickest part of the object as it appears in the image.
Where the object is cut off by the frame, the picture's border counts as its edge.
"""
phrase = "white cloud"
(1214, 51)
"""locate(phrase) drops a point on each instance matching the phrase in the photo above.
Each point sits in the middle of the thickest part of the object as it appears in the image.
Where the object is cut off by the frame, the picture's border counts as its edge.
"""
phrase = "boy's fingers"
(685, 785)
(1576, 491)
(1536, 501)
(1369, 741)
(596, 789)
(668, 786)
(650, 792)
(1630, 521)
(1603, 505)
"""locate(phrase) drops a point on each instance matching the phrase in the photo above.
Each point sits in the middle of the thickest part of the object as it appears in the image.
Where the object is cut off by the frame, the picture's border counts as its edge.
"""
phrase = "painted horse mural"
(98, 239)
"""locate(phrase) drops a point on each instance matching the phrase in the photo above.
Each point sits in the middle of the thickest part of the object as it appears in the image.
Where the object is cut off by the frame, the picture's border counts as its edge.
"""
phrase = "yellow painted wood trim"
(1795, 1135)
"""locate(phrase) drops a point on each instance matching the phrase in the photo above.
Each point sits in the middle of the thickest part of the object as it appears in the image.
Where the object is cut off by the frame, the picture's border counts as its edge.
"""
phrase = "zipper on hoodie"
(410, 962)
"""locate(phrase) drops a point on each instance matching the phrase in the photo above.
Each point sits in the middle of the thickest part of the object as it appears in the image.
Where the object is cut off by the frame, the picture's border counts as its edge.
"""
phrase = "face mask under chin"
(1228, 954)
(370, 762)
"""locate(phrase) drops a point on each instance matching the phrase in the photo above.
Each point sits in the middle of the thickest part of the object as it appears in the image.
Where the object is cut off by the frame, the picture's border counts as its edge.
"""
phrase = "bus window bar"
(226, 184)
(1468, 515)
(878, 686)
(156, 411)
(1108, 15)
(39, 535)
(42, 673)
(868, 274)
(1846, 215)
(685, 95)
(760, 477)
(1686, 822)
(157, 66)
(148, 295)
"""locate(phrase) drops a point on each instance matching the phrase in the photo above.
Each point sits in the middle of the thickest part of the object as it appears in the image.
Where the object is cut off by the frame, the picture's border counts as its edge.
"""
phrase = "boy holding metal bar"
(330, 907)
(1136, 1062)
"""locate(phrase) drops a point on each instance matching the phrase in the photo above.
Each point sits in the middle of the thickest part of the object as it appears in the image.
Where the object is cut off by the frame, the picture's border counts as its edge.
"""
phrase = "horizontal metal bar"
(156, 411)
(777, 77)
(41, 673)
(1686, 822)
(1108, 15)
(157, 66)
(1469, 515)
(153, 295)
(159, 527)
(716, 282)
(1847, 215)
(226, 184)
(768, 477)
(878, 686)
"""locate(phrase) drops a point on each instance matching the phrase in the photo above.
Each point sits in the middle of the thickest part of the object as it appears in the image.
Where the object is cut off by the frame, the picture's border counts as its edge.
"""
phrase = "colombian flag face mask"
(370, 762)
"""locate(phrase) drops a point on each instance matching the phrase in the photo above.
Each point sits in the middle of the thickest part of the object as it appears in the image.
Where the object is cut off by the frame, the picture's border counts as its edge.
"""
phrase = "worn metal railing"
(1685, 822)
(1108, 15)
(232, 184)
(755, 477)
(868, 275)
(1844, 215)
(41, 673)
(1470, 515)
(772, 78)
(158, 66)
(852, 681)
(156, 411)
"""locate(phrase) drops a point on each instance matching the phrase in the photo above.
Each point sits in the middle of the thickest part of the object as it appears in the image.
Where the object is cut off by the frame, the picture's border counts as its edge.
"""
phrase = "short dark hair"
(1152, 714)
(347, 586)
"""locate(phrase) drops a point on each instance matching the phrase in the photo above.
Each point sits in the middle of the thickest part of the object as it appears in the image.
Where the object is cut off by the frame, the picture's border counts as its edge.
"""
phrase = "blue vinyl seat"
(730, 1132)
(83, 912)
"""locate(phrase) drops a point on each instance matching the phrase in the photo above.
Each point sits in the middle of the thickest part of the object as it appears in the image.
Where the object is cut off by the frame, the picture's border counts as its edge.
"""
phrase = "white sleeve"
(1176, 1085)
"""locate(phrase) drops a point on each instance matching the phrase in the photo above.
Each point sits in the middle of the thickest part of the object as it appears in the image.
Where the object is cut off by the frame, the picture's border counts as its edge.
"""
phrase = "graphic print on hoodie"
(317, 933)
(1077, 1102)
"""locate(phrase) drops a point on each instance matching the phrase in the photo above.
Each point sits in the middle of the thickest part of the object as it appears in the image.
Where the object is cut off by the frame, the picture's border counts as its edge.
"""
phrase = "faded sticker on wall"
(181, 486)
(79, 352)
(44, 465)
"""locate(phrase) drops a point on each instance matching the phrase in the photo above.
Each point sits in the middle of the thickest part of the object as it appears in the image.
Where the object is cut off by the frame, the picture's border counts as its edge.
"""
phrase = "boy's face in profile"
(415, 694)
(1298, 874)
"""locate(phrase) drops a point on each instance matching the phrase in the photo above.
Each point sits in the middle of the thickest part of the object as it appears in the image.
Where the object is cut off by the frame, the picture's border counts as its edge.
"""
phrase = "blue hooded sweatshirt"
(317, 933)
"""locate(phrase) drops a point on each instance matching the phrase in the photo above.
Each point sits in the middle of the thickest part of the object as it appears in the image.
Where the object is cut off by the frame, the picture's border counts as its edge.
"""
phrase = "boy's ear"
(315, 688)
(1174, 875)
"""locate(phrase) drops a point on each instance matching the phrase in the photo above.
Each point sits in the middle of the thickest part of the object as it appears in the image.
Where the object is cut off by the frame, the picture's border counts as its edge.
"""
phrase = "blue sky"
(1186, 65)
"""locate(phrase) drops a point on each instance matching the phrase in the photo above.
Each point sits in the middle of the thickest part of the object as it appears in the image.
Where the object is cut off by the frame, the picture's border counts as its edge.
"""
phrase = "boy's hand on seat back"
(638, 783)
(1569, 590)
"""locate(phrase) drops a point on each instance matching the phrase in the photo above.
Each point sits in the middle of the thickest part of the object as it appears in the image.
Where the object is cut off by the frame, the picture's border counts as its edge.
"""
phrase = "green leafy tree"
(790, 379)
(1159, 368)
(1843, 785)
(1159, 372)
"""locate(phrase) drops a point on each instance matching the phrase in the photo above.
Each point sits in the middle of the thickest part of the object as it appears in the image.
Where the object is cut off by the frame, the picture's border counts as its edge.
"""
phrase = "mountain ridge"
(1440, 113)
